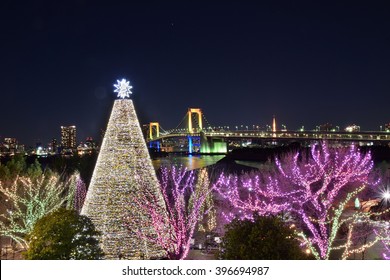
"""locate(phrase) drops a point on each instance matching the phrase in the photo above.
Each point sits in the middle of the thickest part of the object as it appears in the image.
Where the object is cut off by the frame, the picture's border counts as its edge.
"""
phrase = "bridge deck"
(364, 136)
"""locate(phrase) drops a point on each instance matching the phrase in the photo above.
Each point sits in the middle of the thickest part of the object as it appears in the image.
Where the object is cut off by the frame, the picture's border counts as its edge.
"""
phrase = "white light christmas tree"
(123, 170)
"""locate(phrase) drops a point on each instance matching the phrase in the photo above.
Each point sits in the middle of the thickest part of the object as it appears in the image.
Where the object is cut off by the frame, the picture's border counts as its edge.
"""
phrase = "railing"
(310, 135)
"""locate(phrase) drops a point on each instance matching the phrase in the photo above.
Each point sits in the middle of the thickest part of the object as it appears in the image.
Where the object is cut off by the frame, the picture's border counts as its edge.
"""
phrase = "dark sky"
(307, 63)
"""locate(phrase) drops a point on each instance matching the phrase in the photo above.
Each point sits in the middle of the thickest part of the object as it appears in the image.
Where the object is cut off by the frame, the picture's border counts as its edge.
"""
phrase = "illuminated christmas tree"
(122, 167)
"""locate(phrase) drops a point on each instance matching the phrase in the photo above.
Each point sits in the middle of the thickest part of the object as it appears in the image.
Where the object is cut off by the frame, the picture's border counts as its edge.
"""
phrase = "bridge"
(193, 136)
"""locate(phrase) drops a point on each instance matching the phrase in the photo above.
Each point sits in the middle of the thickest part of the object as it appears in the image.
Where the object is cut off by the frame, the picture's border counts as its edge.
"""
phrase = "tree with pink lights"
(251, 193)
(314, 188)
(324, 182)
(175, 222)
(80, 193)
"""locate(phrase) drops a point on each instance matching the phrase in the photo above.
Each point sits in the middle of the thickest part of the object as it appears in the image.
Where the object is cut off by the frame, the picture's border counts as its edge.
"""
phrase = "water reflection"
(191, 162)
(255, 164)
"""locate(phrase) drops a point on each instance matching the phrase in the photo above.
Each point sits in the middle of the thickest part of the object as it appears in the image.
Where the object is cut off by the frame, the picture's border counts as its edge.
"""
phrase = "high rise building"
(68, 137)
(10, 145)
(53, 146)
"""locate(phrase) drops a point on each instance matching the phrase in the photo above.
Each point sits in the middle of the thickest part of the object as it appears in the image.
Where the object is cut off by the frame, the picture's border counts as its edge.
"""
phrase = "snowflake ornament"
(123, 88)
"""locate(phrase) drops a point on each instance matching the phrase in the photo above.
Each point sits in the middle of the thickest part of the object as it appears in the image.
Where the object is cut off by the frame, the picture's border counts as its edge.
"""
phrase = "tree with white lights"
(29, 199)
(207, 220)
(123, 171)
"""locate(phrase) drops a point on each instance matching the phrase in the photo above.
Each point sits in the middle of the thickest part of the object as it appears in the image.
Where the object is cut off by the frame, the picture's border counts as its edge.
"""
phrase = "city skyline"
(276, 127)
(307, 64)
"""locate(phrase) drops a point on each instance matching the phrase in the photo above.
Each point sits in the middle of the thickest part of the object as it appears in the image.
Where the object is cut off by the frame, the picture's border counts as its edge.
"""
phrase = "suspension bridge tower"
(190, 124)
(154, 132)
(191, 127)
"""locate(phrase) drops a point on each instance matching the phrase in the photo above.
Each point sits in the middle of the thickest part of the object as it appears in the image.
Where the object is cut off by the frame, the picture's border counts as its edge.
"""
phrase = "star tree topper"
(123, 88)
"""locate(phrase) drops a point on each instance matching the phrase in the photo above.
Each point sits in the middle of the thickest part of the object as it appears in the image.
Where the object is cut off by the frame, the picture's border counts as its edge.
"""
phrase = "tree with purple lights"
(324, 182)
(175, 222)
(80, 194)
(251, 193)
(314, 188)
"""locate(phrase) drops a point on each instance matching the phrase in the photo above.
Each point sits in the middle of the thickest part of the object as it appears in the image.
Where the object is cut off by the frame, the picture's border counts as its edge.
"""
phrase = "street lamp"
(386, 195)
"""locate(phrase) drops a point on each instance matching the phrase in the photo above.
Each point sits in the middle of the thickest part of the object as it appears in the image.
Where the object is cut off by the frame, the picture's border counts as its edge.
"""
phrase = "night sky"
(307, 63)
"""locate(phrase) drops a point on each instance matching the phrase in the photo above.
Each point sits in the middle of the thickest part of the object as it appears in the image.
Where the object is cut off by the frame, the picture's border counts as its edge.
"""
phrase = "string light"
(80, 193)
(385, 234)
(28, 200)
(250, 193)
(207, 212)
(123, 170)
(319, 182)
(308, 187)
(174, 224)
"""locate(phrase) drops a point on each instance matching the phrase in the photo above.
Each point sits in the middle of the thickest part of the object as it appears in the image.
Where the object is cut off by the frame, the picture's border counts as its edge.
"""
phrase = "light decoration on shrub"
(123, 171)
